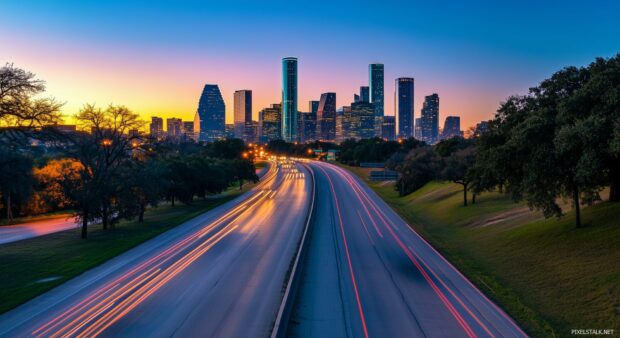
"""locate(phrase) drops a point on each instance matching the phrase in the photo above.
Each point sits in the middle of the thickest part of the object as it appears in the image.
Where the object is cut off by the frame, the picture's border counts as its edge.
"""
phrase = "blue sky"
(472, 53)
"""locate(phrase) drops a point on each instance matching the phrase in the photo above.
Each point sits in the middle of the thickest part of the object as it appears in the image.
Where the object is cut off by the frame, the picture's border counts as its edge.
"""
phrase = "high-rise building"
(375, 81)
(403, 106)
(343, 123)
(452, 127)
(242, 113)
(364, 94)
(156, 127)
(188, 130)
(362, 120)
(210, 114)
(355, 122)
(229, 130)
(430, 119)
(308, 122)
(270, 123)
(389, 127)
(356, 98)
(326, 117)
(418, 129)
(481, 127)
(174, 127)
(252, 132)
(290, 118)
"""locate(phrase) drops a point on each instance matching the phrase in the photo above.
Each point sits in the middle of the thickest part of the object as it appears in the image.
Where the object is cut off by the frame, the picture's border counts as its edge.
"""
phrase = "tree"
(420, 166)
(102, 153)
(555, 142)
(458, 168)
(244, 170)
(18, 105)
(16, 179)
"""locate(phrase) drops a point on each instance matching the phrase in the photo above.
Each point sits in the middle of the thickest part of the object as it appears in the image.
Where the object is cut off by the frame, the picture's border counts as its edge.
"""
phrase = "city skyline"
(160, 71)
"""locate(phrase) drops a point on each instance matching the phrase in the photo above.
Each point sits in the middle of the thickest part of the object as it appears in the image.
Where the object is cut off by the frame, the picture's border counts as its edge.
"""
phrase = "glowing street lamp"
(106, 142)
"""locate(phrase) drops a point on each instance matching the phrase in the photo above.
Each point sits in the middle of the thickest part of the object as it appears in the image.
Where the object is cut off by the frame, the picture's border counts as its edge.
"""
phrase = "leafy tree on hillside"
(421, 165)
(457, 168)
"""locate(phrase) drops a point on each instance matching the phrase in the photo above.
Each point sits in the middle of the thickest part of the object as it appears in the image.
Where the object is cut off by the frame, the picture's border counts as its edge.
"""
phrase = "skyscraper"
(430, 119)
(326, 117)
(270, 123)
(210, 114)
(389, 127)
(156, 127)
(452, 127)
(343, 123)
(364, 96)
(403, 106)
(308, 122)
(362, 120)
(290, 122)
(174, 127)
(188, 130)
(375, 81)
(418, 129)
(243, 114)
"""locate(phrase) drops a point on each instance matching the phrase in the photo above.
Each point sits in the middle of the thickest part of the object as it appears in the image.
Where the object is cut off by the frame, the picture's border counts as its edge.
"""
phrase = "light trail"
(111, 302)
(414, 257)
(346, 248)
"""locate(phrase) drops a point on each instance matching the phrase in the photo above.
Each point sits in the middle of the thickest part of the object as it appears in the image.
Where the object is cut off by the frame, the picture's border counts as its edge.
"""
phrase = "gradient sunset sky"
(155, 56)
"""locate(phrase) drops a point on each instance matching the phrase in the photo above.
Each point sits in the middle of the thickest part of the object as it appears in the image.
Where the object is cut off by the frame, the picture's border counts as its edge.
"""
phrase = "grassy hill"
(550, 276)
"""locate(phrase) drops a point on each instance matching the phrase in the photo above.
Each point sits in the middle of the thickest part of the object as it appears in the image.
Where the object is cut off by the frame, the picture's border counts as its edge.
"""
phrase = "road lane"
(13, 233)
(382, 279)
(220, 275)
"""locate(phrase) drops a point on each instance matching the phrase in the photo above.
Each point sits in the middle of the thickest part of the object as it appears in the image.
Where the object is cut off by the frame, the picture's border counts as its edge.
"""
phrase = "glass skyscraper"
(270, 123)
(364, 95)
(375, 81)
(210, 114)
(290, 118)
(430, 119)
(403, 106)
(243, 114)
(326, 117)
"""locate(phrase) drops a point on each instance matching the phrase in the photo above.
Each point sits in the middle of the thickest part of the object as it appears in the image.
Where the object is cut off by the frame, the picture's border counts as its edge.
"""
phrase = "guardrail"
(286, 306)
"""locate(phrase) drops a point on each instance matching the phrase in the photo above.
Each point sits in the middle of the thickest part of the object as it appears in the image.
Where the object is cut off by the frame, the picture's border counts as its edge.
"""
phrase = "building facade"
(156, 127)
(403, 107)
(242, 114)
(430, 119)
(326, 117)
(376, 91)
(364, 94)
(270, 123)
(188, 130)
(211, 114)
(389, 127)
(290, 118)
(174, 128)
(452, 127)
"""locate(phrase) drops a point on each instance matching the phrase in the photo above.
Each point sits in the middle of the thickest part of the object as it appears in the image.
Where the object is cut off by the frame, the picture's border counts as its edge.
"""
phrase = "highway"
(221, 274)
(368, 274)
(18, 232)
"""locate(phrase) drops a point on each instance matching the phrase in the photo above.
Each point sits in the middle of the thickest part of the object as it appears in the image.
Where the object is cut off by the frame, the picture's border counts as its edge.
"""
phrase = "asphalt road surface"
(367, 274)
(12, 233)
(221, 274)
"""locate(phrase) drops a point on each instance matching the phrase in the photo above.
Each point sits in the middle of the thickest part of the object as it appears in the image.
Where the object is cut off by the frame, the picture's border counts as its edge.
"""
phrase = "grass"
(25, 265)
(550, 276)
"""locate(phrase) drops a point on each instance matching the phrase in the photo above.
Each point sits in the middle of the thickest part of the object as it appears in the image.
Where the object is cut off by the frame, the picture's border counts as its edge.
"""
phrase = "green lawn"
(24, 265)
(550, 276)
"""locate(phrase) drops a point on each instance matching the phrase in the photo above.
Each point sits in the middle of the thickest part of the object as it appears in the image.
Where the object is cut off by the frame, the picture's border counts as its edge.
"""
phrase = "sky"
(155, 56)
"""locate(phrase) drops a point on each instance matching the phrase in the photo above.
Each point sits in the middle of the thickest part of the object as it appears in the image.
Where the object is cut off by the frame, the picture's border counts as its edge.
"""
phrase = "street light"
(106, 142)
